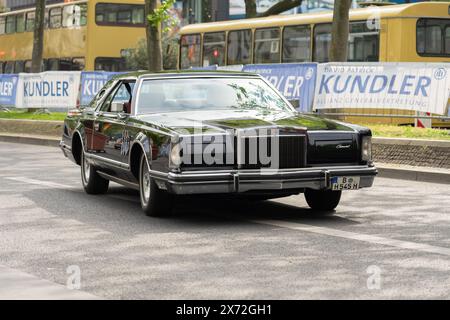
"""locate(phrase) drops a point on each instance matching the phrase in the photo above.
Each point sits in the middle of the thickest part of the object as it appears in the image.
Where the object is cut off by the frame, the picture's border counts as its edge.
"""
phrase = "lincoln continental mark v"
(207, 133)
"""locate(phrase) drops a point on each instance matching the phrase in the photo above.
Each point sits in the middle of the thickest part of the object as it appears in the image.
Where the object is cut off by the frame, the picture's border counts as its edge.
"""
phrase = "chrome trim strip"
(108, 161)
(280, 171)
(119, 181)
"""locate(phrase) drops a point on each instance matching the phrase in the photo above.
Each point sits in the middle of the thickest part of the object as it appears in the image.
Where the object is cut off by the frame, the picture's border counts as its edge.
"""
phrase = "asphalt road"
(390, 241)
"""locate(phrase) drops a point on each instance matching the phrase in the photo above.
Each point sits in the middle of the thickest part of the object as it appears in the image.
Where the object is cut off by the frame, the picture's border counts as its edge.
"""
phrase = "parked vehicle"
(229, 133)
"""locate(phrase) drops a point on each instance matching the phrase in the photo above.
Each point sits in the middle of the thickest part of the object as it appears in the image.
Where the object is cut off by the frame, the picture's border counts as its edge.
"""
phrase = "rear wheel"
(92, 182)
(154, 201)
(323, 200)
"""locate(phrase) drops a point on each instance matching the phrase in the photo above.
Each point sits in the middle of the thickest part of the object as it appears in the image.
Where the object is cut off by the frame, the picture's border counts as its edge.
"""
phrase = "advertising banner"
(52, 89)
(420, 87)
(91, 83)
(8, 88)
(296, 81)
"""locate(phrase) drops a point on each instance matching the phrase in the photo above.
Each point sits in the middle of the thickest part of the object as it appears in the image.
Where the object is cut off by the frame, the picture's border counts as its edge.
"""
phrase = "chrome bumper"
(234, 181)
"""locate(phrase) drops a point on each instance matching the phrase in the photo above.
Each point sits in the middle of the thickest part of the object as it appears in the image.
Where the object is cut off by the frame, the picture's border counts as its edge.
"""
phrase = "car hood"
(219, 121)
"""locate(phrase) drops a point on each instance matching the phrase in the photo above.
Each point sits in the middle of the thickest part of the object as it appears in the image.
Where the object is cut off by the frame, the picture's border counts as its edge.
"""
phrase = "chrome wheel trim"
(86, 169)
(146, 182)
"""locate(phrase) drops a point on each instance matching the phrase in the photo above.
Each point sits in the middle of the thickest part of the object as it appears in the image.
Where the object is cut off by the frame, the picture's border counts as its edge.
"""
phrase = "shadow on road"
(203, 211)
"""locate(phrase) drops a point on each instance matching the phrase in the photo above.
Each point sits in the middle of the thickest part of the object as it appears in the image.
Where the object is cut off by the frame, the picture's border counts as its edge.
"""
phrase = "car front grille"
(291, 152)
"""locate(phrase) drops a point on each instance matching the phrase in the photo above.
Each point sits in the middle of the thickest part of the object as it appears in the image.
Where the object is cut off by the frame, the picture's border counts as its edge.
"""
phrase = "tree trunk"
(339, 32)
(154, 46)
(38, 37)
(250, 8)
(279, 7)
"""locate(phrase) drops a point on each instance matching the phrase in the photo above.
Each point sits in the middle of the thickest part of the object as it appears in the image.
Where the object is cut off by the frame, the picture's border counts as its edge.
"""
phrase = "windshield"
(175, 95)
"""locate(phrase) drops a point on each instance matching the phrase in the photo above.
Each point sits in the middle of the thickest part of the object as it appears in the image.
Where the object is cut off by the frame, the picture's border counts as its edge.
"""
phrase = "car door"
(89, 115)
(110, 137)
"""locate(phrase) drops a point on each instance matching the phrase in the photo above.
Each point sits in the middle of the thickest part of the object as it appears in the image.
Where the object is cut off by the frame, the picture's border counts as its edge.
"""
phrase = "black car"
(167, 134)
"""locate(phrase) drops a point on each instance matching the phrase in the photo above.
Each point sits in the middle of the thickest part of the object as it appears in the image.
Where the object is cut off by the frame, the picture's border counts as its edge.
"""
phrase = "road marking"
(40, 182)
(356, 236)
(408, 245)
(18, 285)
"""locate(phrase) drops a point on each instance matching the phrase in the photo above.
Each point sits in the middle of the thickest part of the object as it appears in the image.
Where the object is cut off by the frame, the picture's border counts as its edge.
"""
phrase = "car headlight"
(366, 148)
(175, 155)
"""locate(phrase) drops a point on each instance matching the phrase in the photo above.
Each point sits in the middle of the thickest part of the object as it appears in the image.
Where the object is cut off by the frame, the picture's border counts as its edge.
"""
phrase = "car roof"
(185, 73)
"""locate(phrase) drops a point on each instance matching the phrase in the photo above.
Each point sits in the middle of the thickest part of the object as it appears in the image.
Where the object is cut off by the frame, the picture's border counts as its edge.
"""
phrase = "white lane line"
(18, 285)
(357, 236)
(40, 182)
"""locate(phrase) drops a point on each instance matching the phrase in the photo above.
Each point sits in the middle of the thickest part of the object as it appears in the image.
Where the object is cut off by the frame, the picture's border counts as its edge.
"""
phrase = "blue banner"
(91, 83)
(208, 68)
(296, 81)
(8, 89)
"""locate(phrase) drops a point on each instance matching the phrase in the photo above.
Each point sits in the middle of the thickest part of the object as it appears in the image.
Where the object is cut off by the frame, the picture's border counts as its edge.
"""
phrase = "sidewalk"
(385, 170)
(404, 172)
(18, 285)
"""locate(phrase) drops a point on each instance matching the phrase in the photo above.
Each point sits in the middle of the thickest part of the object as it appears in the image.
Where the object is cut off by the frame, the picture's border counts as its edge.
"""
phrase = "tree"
(153, 32)
(279, 7)
(137, 58)
(339, 32)
(38, 37)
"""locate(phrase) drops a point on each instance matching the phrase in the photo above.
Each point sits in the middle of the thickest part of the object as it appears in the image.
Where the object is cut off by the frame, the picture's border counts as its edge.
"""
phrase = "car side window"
(122, 94)
(98, 97)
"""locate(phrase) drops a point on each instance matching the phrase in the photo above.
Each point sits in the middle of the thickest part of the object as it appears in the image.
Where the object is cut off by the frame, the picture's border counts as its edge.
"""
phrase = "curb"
(411, 142)
(41, 141)
(434, 175)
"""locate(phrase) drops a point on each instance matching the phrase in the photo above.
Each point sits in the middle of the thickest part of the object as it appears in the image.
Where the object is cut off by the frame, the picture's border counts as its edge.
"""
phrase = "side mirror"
(117, 107)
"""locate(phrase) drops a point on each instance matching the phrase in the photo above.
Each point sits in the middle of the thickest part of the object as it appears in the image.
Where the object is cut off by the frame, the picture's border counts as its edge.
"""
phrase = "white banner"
(421, 87)
(53, 89)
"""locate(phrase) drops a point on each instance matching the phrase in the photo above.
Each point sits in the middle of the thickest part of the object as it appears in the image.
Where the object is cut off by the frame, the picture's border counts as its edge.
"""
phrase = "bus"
(79, 35)
(417, 32)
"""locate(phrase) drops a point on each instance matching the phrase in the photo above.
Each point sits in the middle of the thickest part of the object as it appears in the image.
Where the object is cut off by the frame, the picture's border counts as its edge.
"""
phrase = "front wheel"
(322, 200)
(154, 201)
(92, 182)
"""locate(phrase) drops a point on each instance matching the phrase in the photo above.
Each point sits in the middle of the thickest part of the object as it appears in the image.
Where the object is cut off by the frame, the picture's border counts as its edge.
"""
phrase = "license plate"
(345, 183)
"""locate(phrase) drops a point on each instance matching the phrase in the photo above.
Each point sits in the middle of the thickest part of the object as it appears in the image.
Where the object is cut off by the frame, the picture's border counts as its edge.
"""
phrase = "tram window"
(363, 43)
(137, 15)
(55, 20)
(74, 15)
(214, 49)
(9, 67)
(433, 37)
(322, 40)
(10, 24)
(267, 45)
(239, 47)
(447, 39)
(296, 44)
(110, 64)
(2, 65)
(20, 23)
(52, 65)
(27, 67)
(65, 64)
(2, 25)
(190, 51)
(29, 24)
(19, 66)
(119, 14)
(78, 64)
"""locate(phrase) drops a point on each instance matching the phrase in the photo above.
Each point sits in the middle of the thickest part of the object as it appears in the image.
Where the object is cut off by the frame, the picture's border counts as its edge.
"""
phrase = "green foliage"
(137, 59)
(382, 130)
(32, 116)
(161, 15)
